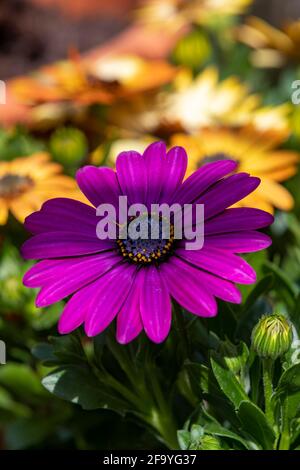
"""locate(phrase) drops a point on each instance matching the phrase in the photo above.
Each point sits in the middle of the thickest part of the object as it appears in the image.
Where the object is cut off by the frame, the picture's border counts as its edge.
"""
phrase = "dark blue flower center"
(146, 239)
(215, 157)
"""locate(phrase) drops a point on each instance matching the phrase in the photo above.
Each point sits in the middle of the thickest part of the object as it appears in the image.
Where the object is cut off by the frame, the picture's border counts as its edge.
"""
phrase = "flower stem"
(284, 443)
(268, 388)
(162, 417)
(181, 328)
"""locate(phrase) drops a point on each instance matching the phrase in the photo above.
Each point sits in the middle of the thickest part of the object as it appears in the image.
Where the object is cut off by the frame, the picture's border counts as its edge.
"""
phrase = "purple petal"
(202, 179)
(65, 280)
(62, 244)
(222, 263)
(132, 176)
(176, 168)
(214, 285)
(76, 309)
(99, 185)
(237, 219)
(155, 304)
(186, 288)
(155, 159)
(239, 242)
(111, 292)
(227, 192)
(129, 323)
(62, 214)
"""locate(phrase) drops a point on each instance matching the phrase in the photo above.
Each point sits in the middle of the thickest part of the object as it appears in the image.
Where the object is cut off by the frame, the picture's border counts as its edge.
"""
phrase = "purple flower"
(135, 283)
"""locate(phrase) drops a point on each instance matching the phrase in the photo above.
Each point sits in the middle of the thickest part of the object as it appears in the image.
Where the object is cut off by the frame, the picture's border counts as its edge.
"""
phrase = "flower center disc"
(146, 239)
(216, 157)
(12, 185)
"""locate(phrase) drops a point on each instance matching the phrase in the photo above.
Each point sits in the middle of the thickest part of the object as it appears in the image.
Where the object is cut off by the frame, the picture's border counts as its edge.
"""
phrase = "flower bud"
(272, 336)
(68, 146)
(192, 50)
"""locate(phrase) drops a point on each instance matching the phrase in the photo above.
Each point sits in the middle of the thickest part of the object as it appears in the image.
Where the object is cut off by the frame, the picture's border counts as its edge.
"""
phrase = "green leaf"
(263, 286)
(293, 405)
(295, 314)
(290, 379)
(287, 393)
(285, 289)
(257, 261)
(43, 352)
(98, 344)
(217, 429)
(78, 384)
(21, 380)
(23, 433)
(227, 381)
(9, 404)
(67, 349)
(45, 318)
(197, 432)
(196, 376)
(183, 439)
(255, 423)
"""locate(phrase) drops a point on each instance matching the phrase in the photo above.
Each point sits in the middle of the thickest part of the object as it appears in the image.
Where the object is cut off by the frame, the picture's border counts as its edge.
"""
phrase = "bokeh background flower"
(86, 81)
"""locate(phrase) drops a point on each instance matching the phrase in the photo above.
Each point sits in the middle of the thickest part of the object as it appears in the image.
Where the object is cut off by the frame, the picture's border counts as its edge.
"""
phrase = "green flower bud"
(192, 50)
(272, 336)
(68, 146)
(234, 356)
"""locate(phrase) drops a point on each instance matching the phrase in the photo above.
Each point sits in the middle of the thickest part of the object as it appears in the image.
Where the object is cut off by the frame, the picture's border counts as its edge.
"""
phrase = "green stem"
(123, 360)
(161, 417)
(284, 443)
(147, 402)
(107, 379)
(181, 328)
(268, 388)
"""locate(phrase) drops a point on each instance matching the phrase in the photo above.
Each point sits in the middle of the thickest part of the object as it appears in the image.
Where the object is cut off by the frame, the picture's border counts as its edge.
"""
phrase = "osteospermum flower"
(174, 14)
(134, 281)
(205, 101)
(61, 82)
(272, 47)
(85, 82)
(255, 153)
(196, 103)
(27, 182)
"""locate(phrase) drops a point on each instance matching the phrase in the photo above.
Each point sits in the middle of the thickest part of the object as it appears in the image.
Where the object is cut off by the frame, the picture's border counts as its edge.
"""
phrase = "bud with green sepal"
(69, 146)
(193, 50)
(272, 336)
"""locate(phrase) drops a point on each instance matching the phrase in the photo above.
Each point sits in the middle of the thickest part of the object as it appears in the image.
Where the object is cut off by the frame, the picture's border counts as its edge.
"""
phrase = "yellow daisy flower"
(256, 153)
(193, 104)
(91, 81)
(106, 154)
(61, 82)
(205, 101)
(175, 14)
(27, 182)
(272, 47)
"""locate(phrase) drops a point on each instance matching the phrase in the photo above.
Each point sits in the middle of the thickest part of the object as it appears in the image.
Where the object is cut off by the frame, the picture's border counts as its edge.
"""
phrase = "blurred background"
(36, 32)
(219, 71)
